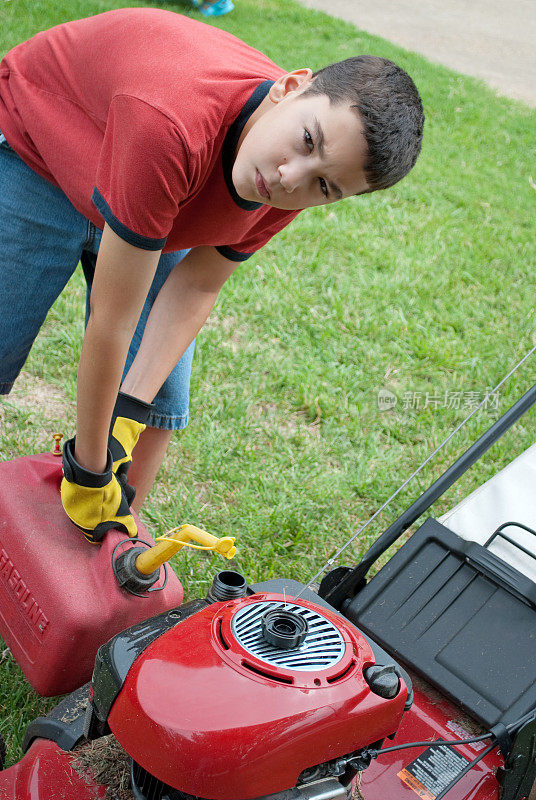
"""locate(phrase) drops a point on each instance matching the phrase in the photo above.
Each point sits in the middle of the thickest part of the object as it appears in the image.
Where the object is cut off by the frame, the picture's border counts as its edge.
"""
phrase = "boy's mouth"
(260, 183)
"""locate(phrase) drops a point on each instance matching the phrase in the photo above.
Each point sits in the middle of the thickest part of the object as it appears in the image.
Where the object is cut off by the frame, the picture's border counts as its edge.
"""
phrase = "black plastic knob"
(383, 680)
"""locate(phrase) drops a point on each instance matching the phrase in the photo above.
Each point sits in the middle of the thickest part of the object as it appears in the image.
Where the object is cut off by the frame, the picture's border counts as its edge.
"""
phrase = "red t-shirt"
(135, 114)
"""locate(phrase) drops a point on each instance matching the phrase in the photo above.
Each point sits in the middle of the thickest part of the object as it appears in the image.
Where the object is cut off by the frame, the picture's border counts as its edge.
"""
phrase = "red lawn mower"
(420, 682)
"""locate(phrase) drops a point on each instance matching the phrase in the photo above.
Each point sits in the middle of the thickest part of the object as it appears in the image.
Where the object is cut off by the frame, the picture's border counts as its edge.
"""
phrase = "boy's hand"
(129, 420)
(95, 502)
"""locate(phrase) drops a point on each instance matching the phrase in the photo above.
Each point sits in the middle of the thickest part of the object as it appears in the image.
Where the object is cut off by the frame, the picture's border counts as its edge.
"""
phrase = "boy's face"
(296, 152)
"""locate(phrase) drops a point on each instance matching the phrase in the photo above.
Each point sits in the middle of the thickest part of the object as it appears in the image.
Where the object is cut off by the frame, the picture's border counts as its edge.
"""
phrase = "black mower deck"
(460, 617)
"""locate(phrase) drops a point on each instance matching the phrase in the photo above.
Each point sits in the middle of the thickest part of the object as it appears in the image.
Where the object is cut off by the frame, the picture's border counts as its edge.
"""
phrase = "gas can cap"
(383, 680)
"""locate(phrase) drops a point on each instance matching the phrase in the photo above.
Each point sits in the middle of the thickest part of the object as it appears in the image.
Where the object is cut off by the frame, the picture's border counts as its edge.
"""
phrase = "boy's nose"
(289, 176)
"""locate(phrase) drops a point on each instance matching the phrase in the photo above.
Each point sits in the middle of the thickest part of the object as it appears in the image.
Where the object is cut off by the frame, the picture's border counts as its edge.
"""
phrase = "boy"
(162, 152)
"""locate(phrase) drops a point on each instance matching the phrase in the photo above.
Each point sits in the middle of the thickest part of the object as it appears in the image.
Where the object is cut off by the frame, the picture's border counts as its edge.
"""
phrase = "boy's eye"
(308, 139)
(323, 186)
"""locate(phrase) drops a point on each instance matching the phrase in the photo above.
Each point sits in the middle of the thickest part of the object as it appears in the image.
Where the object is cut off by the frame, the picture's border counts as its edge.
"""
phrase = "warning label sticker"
(432, 771)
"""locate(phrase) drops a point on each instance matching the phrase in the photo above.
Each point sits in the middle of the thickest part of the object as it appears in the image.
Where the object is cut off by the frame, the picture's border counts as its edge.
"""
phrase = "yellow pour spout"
(175, 540)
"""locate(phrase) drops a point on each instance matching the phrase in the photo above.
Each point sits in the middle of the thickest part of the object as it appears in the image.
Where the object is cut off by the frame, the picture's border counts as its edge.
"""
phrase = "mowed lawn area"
(426, 290)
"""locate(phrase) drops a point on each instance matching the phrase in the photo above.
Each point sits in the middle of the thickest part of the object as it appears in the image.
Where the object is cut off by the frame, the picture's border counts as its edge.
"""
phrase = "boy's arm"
(123, 276)
(178, 313)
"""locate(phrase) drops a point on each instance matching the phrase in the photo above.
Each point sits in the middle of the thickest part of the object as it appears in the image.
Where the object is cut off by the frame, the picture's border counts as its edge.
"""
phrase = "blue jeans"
(42, 239)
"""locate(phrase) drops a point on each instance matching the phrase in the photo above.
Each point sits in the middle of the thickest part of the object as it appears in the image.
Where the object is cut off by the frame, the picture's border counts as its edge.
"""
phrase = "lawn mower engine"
(244, 694)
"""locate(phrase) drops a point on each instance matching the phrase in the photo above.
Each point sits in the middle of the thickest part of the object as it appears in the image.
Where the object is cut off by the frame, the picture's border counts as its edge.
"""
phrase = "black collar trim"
(231, 141)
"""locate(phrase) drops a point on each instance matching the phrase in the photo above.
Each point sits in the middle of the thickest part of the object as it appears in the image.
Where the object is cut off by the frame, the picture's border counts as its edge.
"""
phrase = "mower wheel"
(2, 752)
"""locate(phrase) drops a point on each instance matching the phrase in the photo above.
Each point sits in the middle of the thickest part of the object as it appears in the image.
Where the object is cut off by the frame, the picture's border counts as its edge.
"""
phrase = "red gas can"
(59, 598)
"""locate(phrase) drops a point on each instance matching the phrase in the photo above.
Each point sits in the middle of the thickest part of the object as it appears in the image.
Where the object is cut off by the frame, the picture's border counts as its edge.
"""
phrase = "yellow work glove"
(94, 501)
(129, 420)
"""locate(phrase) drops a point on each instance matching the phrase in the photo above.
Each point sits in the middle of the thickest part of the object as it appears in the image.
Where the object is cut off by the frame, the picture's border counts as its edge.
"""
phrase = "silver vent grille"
(322, 647)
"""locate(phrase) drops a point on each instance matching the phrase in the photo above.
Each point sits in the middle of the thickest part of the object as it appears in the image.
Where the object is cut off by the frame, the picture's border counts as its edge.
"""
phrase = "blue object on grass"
(216, 9)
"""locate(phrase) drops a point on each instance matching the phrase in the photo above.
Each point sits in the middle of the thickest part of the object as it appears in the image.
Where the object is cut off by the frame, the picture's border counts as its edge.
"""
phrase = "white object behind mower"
(510, 496)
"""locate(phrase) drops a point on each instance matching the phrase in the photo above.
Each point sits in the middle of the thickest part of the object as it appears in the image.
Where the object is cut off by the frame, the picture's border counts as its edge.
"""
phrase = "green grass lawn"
(426, 290)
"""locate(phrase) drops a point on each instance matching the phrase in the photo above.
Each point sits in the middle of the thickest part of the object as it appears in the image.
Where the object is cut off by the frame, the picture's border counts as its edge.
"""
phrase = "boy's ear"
(294, 81)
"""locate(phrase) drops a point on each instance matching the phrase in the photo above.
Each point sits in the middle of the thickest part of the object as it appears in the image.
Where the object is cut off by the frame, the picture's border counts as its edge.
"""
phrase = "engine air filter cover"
(213, 710)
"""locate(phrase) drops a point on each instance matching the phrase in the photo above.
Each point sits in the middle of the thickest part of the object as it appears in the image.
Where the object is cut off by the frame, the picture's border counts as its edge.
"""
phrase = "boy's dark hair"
(390, 109)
